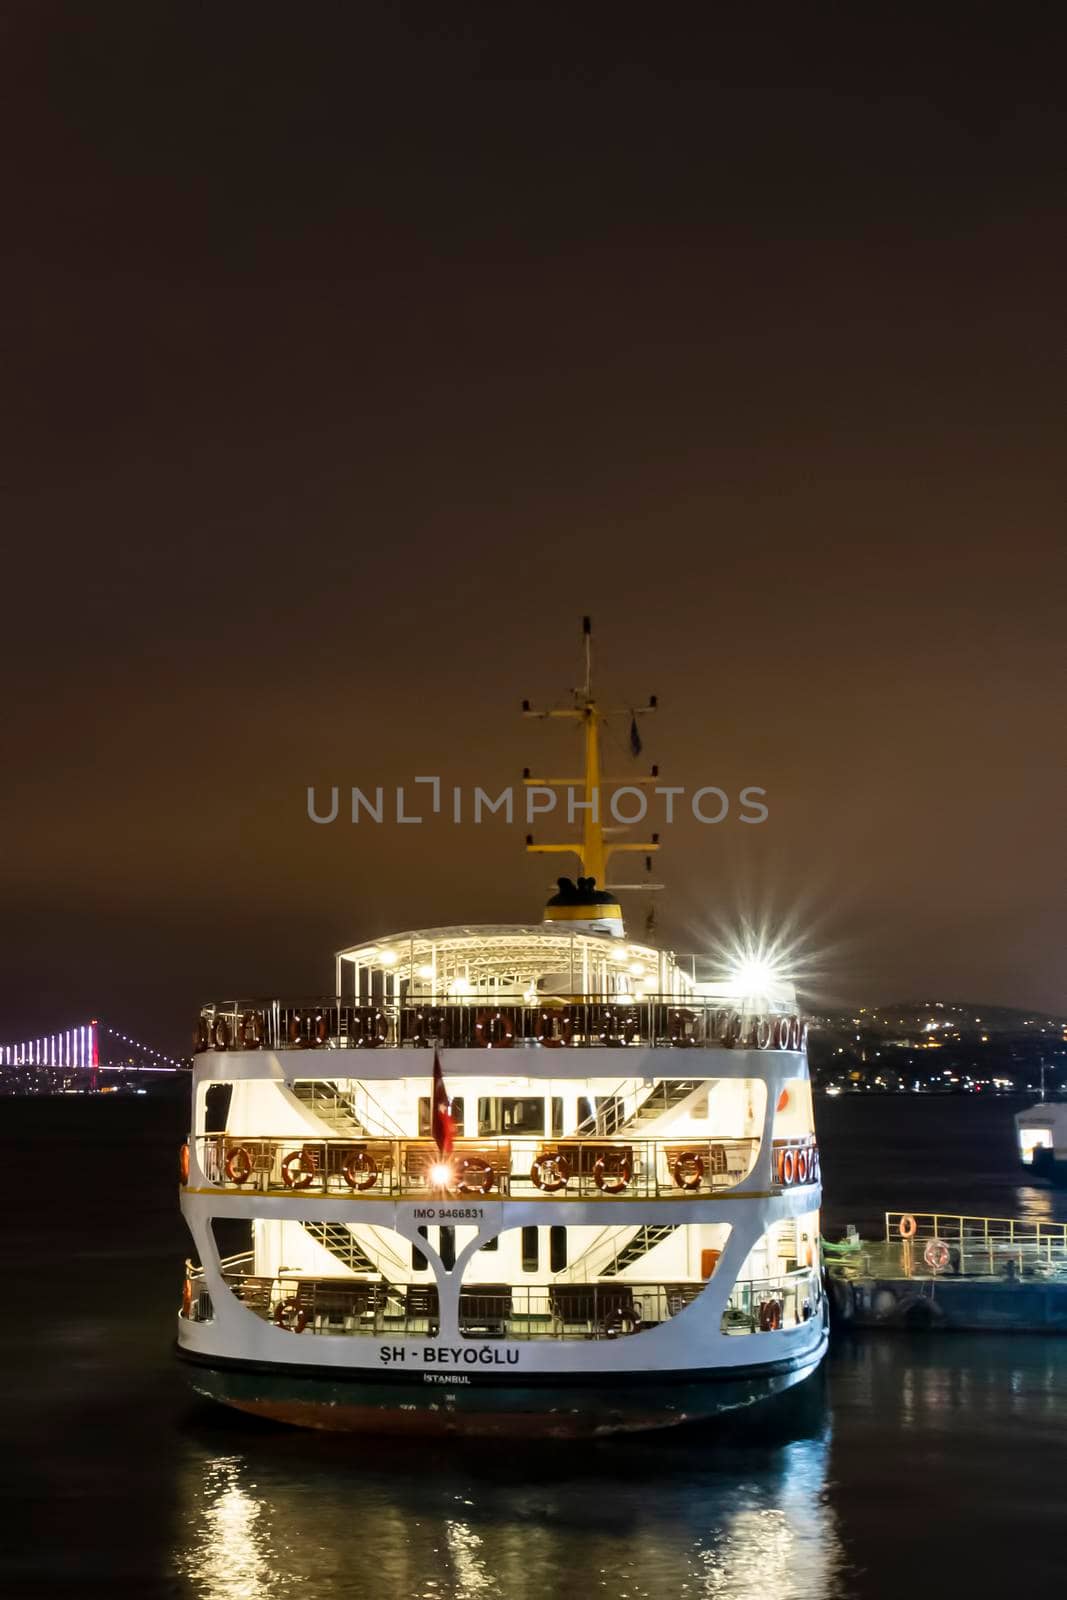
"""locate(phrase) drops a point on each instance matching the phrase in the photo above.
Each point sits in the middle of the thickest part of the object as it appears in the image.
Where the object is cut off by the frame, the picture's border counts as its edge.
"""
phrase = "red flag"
(442, 1126)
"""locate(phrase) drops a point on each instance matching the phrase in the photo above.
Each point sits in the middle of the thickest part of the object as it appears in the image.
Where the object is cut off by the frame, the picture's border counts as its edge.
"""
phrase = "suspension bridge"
(86, 1057)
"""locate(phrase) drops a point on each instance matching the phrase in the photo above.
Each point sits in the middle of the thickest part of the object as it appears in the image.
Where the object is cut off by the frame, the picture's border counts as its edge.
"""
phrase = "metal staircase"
(661, 1098)
(340, 1241)
(643, 1240)
(331, 1104)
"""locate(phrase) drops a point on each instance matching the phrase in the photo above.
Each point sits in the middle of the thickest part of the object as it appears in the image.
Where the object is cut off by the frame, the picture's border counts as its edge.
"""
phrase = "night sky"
(350, 354)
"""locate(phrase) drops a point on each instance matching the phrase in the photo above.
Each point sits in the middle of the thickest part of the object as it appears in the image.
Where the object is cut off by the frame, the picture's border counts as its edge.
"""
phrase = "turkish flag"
(441, 1125)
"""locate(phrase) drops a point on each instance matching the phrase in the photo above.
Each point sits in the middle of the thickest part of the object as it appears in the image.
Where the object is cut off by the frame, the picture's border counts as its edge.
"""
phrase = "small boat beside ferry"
(534, 1180)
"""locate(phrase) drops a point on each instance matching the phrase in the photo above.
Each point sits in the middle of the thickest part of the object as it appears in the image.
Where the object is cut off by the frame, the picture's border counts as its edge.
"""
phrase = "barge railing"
(937, 1244)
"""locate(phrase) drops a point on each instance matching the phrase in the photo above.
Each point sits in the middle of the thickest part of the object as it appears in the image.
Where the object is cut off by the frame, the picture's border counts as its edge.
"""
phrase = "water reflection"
(725, 1514)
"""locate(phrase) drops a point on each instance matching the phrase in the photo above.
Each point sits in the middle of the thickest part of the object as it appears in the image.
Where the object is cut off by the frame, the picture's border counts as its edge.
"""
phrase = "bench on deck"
(485, 1308)
(607, 1308)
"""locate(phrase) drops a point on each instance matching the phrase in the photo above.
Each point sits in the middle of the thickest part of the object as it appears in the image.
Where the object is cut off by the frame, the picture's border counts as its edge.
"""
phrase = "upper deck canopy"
(517, 960)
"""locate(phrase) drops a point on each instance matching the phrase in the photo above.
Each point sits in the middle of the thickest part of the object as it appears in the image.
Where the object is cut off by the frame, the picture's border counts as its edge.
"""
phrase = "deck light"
(440, 1174)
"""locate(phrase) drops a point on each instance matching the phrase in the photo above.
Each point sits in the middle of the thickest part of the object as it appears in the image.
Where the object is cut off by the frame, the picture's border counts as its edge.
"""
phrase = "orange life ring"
(187, 1299)
(770, 1316)
(782, 1031)
(617, 1180)
(688, 1170)
(937, 1255)
(322, 1030)
(760, 1036)
(552, 1037)
(618, 1027)
(493, 1030)
(303, 1180)
(802, 1166)
(550, 1173)
(202, 1036)
(295, 1030)
(291, 1316)
(813, 1164)
(474, 1176)
(734, 1031)
(371, 1028)
(677, 1021)
(360, 1170)
(239, 1164)
(789, 1166)
(221, 1034)
(183, 1164)
(794, 1033)
(908, 1226)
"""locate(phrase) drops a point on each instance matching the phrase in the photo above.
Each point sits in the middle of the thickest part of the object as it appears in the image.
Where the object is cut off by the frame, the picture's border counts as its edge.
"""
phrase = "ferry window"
(419, 1262)
(426, 1116)
(511, 1116)
(531, 1254)
(585, 1109)
(217, 1107)
(557, 1249)
(557, 1116)
(448, 1248)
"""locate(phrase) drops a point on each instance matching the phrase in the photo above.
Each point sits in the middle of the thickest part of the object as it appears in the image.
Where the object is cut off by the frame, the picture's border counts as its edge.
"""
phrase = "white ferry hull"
(480, 1398)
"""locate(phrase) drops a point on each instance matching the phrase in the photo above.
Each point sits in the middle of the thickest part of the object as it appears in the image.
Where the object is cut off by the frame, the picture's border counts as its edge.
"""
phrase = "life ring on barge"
(907, 1226)
(360, 1170)
(688, 1170)
(550, 1173)
(291, 1316)
(937, 1255)
(239, 1164)
(613, 1179)
(301, 1179)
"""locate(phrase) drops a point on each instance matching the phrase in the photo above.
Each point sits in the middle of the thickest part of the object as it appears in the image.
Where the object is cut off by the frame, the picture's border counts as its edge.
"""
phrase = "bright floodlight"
(753, 975)
(440, 1174)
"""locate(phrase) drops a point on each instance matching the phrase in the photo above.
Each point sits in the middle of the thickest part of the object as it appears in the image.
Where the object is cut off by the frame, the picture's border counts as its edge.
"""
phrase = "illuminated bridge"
(78, 1058)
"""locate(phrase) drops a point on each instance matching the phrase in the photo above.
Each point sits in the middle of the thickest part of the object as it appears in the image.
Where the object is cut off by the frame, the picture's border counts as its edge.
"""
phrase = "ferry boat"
(534, 1180)
(1041, 1131)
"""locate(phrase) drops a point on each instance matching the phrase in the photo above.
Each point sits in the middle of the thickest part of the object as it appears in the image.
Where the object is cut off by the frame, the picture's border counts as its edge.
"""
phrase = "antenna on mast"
(592, 900)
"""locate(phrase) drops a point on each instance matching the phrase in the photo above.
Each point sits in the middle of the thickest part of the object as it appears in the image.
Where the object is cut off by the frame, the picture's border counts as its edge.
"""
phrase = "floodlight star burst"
(440, 1175)
(754, 975)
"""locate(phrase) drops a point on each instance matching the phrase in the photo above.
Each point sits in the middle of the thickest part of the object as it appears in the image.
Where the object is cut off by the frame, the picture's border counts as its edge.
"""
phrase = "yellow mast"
(593, 852)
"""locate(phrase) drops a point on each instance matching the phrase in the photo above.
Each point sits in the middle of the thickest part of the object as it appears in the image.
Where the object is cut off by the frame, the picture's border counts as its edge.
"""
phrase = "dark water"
(911, 1466)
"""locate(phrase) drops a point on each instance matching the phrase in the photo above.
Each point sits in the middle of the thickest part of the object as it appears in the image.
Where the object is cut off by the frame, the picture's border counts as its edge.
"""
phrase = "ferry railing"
(763, 1305)
(662, 1021)
(934, 1243)
(531, 1168)
(362, 1305)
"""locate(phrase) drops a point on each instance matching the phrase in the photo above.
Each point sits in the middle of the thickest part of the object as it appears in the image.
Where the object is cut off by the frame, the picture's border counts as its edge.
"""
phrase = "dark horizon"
(347, 368)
